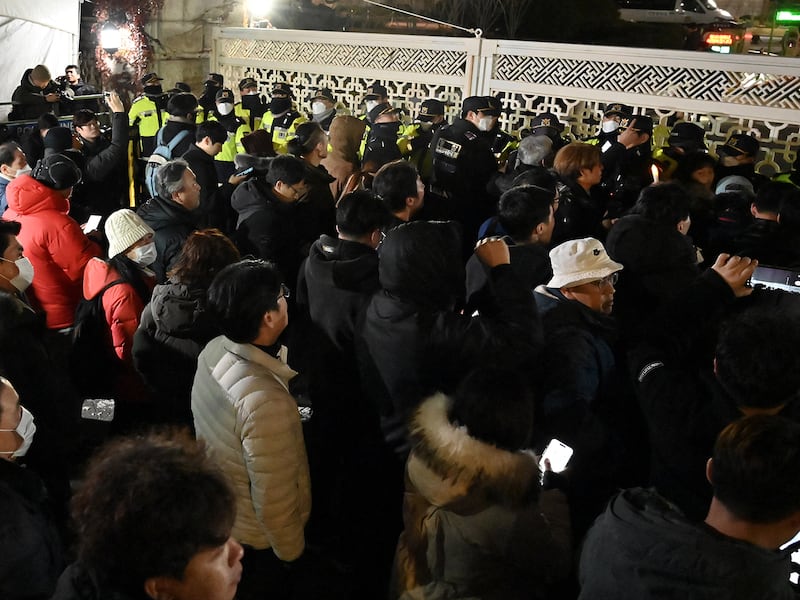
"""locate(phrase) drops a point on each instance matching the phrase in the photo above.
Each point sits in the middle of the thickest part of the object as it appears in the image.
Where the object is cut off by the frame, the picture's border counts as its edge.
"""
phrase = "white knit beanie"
(123, 229)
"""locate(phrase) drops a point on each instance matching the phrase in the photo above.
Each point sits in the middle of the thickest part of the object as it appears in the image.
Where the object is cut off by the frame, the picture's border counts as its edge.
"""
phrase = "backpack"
(93, 363)
(161, 155)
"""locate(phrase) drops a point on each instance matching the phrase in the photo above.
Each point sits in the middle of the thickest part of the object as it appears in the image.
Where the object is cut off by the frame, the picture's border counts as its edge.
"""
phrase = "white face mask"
(144, 256)
(609, 126)
(25, 276)
(25, 430)
(225, 108)
(485, 123)
(371, 104)
(318, 108)
(23, 170)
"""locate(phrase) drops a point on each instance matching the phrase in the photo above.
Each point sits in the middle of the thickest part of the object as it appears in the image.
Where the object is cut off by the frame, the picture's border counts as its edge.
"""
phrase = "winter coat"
(172, 224)
(29, 101)
(659, 262)
(121, 304)
(250, 423)
(579, 215)
(476, 523)
(268, 228)
(173, 128)
(317, 209)
(105, 177)
(643, 547)
(345, 139)
(55, 245)
(215, 200)
(415, 343)
(173, 330)
(29, 542)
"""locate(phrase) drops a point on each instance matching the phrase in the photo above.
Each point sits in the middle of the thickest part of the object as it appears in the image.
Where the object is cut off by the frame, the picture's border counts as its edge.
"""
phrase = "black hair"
(82, 117)
(146, 506)
(394, 182)
(288, 169)
(756, 356)
(772, 195)
(307, 136)
(7, 229)
(46, 121)
(212, 129)
(755, 466)
(68, 67)
(522, 208)
(241, 294)
(691, 162)
(8, 152)
(538, 176)
(132, 274)
(360, 213)
(665, 203)
(496, 407)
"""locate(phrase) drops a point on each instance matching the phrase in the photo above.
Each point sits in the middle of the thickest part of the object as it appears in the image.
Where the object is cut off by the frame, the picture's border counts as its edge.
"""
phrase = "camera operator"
(35, 95)
(71, 86)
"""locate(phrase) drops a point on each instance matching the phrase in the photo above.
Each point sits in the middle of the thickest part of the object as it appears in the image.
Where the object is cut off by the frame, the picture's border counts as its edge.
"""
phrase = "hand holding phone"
(557, 453)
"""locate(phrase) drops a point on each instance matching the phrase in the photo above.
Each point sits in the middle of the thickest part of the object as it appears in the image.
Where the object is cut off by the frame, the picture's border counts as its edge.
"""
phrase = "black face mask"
(387, 130)
(279, 105)
(251, 102)
(153, 90)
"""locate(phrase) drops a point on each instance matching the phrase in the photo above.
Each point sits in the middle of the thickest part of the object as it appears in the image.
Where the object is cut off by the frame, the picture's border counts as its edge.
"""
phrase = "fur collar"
(448, 464)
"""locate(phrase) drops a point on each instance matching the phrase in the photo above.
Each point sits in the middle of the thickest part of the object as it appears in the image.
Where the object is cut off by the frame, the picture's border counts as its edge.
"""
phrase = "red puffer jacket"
(55, 245)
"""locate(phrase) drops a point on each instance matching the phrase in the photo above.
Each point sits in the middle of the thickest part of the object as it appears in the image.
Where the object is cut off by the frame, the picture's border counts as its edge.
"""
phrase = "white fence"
(755, 94)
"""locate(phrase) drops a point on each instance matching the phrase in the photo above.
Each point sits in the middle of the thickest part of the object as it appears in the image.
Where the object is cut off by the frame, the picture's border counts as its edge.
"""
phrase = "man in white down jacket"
(249, 421)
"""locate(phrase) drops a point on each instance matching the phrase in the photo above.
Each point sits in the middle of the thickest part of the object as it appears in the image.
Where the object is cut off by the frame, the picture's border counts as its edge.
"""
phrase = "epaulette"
(470, 135)
(135, 100)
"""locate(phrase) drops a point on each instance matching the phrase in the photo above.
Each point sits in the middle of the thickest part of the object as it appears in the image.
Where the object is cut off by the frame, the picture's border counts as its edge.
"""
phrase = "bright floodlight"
(259, 9)
(110, 38)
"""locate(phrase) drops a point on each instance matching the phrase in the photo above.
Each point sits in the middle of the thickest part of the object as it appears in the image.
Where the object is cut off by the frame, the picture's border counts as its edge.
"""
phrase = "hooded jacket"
(476, 523)
(55, 245)
(416, 343)
(172, 224)
(29, 101)
(643, 547)
(342, 161)
(250, 423)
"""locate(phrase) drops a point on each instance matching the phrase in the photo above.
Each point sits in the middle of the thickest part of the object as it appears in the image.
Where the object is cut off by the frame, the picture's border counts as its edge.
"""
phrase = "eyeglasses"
(607, 280)
(285, 292)
(299, 192)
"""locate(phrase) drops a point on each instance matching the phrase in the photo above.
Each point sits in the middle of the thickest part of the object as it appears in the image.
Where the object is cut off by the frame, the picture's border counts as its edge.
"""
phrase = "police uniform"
(421, 134)
(252, 106)
(282, 127)
(463, 164)
(383, 145)
(603, 138)
(237, 128)
(148, 114)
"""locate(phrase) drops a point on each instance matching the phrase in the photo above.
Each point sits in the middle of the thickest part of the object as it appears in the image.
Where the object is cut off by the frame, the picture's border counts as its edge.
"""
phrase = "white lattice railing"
(757, 94)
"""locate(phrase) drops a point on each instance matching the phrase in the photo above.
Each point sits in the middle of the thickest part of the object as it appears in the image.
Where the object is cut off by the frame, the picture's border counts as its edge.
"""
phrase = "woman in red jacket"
(126, 284)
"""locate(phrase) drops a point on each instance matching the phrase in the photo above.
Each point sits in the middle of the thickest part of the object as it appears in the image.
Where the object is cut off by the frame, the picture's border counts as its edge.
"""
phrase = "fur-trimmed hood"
(447, 464)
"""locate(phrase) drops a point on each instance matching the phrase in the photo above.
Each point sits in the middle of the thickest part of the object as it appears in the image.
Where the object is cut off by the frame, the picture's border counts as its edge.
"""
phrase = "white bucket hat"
(576, 262)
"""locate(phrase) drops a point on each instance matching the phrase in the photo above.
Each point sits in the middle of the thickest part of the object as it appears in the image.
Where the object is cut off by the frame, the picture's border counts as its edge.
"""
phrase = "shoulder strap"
(160, 136)
(177, 140)
(110, 285)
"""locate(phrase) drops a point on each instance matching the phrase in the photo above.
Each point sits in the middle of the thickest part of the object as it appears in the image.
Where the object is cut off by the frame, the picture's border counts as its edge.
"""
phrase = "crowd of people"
(328, 355)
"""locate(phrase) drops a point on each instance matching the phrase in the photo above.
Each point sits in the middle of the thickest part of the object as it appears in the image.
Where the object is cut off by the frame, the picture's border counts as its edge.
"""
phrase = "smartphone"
(92, 223)
(98, 409)
(558, 453)
(246, 171)
(776, 278)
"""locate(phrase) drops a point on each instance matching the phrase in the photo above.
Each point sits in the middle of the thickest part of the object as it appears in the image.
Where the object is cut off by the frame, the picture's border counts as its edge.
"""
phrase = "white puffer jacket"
(244, 412)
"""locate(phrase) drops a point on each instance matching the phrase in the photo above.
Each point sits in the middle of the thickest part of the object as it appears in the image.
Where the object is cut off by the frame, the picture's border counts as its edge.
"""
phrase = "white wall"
(35, 32)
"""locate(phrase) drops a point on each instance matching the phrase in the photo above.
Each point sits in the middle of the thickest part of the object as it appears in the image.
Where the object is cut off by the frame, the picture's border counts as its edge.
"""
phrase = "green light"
(787, 16)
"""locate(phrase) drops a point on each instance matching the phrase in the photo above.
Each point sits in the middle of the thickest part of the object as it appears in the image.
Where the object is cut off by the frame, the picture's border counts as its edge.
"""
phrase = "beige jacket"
(244, 412)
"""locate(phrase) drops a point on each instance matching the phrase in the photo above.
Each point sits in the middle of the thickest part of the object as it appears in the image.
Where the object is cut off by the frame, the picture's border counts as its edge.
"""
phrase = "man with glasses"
(578, 404)
(249, 421)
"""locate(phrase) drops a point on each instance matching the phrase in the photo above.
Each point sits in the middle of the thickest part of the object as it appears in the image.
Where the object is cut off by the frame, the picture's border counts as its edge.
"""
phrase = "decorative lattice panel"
(755, 89)
(386, 58)
(779, 141)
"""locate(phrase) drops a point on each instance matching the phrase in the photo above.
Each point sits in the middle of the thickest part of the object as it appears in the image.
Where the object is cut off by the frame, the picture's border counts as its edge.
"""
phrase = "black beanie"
(57, 171)
(58, 139)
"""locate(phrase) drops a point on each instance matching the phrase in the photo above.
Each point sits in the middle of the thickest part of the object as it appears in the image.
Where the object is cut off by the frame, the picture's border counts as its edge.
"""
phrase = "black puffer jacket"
(172, 224)
(28, 100)
(173, 330)
(643, 547)
(415, 342)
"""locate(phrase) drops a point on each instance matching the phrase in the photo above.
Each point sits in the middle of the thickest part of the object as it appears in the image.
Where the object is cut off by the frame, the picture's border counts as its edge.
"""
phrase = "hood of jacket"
(97, 275)
(316, 176)
(250, 197)
(420, 262)
(447, 464)
(27, 196)
(25, 82)
(178, 310)
(345, 137)
(350, 266)
(159, 213)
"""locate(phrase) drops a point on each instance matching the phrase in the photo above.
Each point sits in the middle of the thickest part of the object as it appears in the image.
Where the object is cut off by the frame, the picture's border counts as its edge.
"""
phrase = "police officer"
(627, 162)
(684, 139)
(738, 157)
(420, 134)
(207, 100)
(547, 124)
(147, 113)
(281, 119)
(382, 143)
(236, 127)
(613, 114)
(463, 164)
(324, 108)
(252, 106)
(503, 143)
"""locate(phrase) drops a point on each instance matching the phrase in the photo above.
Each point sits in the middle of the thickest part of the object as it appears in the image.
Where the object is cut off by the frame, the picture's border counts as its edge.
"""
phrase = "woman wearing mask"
(318, 206)
(125, 283)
